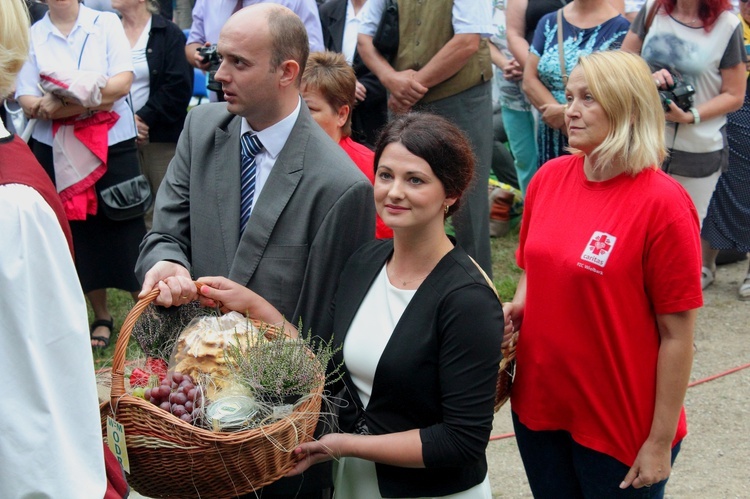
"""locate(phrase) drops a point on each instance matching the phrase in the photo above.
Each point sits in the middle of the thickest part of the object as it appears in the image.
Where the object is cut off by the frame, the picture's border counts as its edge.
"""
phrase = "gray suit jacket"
(314, 211)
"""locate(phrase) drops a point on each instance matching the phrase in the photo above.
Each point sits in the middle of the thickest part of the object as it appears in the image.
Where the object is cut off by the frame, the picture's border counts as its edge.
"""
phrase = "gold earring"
(446, 209)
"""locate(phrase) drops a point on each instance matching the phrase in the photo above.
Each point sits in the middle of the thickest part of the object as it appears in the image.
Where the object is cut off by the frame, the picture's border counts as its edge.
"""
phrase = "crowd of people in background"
(341, 138)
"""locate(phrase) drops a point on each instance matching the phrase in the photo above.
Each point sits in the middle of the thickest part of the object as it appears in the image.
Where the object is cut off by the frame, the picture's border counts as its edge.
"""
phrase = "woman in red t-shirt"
(607, 302)
(328, 87)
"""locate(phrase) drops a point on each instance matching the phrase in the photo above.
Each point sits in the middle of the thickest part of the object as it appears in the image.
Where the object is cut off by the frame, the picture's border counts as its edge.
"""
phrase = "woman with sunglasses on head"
(697, 43)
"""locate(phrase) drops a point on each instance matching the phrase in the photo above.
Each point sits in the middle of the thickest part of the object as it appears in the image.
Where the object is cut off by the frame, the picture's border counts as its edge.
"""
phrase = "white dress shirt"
(468, 16)
(273, 140)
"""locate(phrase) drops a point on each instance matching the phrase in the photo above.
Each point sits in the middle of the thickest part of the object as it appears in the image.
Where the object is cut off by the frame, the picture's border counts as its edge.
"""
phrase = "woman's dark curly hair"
(437, 141)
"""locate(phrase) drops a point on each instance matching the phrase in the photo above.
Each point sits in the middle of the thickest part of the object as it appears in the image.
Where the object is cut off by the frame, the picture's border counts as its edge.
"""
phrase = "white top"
(139, 91)
(351, 28)
(371, 329)
(468, 16)
(50, 436)
(273, 139)
(368, 335)
(106, 51)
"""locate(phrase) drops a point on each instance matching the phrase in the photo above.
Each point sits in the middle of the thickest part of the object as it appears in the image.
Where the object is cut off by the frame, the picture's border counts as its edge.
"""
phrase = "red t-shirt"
(364, 158)
(601, 260)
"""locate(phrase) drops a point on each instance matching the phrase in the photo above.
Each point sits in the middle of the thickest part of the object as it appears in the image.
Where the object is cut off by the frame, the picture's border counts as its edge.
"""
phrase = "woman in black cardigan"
(162, 87)
(421, 332)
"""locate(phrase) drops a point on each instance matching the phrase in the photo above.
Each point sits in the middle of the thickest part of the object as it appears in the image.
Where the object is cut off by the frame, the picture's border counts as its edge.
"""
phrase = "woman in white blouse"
(162, 86)
(72, 37)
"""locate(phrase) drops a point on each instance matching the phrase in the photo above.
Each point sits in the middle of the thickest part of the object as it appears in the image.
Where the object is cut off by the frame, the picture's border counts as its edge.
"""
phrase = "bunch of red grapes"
(177, 394)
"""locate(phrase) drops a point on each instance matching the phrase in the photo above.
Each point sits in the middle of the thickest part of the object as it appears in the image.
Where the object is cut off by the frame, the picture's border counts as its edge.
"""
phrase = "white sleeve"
(371, 14)
(473, 16)
(28, 78)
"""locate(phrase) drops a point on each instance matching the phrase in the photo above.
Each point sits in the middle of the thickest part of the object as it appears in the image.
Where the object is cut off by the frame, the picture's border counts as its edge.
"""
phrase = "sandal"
(103, 339)
(707, 277)
(744, 290)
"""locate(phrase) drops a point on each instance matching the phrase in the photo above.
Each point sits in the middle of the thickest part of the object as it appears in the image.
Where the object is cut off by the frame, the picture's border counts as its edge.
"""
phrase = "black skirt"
(105, 250)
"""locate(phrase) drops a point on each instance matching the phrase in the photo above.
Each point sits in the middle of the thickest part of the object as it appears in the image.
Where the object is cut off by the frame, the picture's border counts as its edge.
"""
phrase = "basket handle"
(117, 389)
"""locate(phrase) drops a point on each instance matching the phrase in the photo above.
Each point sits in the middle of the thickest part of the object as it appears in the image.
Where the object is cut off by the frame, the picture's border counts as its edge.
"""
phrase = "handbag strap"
(560, 47)
(486, 278)
(80, 56)
(509, 351)
(650, 17)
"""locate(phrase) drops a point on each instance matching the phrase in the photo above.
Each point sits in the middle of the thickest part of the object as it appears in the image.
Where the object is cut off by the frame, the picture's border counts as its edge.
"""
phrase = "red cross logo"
(600, 245)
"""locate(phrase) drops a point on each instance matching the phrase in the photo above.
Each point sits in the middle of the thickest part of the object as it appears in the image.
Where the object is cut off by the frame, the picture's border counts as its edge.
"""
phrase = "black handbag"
(386, 36)
(385, 39)
(127, 200)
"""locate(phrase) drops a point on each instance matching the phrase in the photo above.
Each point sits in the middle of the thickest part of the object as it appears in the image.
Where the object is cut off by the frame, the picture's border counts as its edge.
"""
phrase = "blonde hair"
(14, 41)
(328, 73)
(622, 84)
(153, 6)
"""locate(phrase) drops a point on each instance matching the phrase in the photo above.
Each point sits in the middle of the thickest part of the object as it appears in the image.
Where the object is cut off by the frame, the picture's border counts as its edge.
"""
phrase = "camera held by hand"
(681, 93)
(211, 56)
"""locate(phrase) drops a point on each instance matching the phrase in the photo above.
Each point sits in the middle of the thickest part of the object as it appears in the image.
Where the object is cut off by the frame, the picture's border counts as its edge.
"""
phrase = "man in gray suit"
(309, 205)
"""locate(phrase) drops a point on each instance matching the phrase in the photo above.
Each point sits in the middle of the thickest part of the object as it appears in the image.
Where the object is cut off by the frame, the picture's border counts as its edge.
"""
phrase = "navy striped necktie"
(251, 146)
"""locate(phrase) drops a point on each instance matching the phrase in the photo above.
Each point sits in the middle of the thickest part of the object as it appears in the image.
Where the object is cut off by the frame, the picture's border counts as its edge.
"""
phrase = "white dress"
(365, 342)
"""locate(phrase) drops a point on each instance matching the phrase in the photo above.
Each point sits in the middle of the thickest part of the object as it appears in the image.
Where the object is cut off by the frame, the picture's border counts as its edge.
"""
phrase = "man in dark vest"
(443, 66)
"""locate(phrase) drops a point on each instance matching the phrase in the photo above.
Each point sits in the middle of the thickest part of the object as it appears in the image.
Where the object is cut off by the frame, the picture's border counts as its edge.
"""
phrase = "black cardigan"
(170, 81)
(437, 373)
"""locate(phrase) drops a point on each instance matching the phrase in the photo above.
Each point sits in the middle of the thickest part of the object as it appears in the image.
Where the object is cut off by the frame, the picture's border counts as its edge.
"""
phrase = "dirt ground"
(714, 461)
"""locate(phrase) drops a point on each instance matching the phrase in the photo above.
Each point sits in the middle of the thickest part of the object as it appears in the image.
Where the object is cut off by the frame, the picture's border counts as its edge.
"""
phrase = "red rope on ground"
(715, 376)
(694, 383)
(500, 437)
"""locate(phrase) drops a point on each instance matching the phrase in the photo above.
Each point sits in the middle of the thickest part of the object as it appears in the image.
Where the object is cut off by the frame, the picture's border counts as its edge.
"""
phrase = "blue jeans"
(558, 467)
(519, 126)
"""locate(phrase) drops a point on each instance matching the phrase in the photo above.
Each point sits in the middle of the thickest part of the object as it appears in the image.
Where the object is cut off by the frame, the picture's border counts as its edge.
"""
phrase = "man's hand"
(398, 107)
(404, 87)
(195, 58)
(174, 282)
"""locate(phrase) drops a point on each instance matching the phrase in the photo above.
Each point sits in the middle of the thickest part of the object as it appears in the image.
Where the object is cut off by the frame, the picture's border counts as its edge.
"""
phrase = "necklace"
(680, 20)
(404, 283)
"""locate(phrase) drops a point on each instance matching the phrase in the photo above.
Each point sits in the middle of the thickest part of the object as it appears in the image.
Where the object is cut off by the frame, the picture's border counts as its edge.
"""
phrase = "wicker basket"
(505, 373)
(172, 458)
